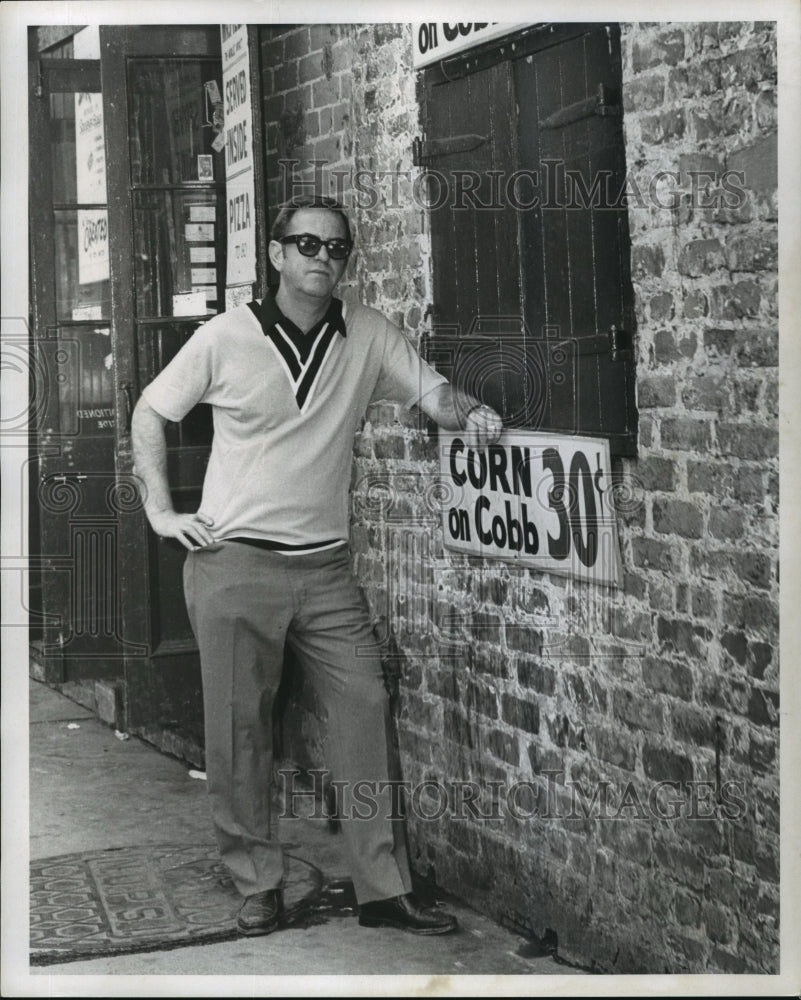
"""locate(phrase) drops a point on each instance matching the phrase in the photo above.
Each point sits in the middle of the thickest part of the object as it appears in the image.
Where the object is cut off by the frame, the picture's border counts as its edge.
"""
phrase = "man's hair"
(288, 209)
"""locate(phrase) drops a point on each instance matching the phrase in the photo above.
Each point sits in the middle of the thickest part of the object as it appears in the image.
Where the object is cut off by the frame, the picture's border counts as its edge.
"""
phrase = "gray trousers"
(244, 604)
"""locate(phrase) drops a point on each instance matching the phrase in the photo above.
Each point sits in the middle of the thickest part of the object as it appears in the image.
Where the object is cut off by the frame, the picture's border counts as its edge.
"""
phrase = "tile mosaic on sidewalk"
(135, 899)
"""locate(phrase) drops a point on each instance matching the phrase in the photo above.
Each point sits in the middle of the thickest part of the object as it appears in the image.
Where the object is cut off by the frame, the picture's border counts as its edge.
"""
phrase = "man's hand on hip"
(191, 530)
(150, 464)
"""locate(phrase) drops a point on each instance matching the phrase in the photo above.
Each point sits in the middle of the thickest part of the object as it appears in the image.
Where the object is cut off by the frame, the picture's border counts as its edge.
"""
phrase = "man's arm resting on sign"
(455, 410)
(150, 464)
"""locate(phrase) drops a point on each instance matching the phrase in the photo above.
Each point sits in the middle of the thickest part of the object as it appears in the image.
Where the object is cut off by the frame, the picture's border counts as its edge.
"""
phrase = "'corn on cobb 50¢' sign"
(538, 499)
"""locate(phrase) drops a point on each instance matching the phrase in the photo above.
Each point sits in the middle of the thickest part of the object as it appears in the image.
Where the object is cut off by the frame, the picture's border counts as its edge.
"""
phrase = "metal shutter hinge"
(600, 104)
(424, 150)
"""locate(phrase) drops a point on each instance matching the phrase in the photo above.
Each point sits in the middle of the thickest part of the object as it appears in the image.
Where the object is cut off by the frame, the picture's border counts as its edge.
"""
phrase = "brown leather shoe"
(260, 913)
(407, 914)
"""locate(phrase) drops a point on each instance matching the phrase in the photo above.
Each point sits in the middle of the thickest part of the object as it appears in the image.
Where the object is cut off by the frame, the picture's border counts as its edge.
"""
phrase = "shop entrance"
(161, 90)
(128, 258)
(75, 627)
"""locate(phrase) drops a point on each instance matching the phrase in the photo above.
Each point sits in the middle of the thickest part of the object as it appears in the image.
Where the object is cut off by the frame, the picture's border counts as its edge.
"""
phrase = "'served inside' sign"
(538, 499)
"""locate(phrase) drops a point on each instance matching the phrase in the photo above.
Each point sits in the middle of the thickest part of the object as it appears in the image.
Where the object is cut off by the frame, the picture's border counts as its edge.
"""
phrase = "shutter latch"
(619, 344)
(600, 104)
(424, 150)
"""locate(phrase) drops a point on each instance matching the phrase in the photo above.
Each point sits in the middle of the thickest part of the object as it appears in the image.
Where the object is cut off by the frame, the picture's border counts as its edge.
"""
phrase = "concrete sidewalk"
(92, 791)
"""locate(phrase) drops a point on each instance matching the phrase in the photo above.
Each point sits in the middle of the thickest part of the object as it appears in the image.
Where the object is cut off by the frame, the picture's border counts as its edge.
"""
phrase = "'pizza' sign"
(537, 499)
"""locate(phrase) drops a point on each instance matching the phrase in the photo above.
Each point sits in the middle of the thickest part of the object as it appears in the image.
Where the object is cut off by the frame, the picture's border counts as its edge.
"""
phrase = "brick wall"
(514, 676)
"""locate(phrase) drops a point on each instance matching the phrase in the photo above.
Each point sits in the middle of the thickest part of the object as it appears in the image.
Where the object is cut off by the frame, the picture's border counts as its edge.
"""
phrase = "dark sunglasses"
(309, 245)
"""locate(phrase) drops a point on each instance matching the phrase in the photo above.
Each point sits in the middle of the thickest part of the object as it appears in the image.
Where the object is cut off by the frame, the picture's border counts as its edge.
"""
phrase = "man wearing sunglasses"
(289, 380)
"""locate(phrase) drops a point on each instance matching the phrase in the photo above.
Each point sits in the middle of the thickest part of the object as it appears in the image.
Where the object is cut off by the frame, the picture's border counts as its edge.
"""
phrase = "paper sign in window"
(90, 149)
(201, 213)
(199, 232)
(201, 255)
(92, 246)
(189, 304)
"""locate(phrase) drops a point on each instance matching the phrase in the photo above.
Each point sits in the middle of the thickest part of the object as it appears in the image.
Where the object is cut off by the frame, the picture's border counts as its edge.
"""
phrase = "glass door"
(162, 89)
(74, 497)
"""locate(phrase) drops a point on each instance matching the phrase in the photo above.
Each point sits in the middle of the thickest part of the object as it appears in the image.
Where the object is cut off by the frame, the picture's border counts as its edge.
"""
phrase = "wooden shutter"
(536, 287)
(478, 302)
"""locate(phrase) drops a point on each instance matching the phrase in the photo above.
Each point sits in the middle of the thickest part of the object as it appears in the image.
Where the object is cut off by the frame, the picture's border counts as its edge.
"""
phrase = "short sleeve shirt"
(285, 416)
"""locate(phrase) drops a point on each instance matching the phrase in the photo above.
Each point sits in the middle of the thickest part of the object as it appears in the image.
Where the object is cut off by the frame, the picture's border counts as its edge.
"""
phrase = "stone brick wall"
(512, 676)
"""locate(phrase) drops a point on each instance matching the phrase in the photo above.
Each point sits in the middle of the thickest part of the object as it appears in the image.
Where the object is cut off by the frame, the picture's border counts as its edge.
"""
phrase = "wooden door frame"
(46, 76)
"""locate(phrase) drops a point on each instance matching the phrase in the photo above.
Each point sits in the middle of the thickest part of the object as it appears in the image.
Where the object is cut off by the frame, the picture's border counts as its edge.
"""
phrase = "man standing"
(289, 380)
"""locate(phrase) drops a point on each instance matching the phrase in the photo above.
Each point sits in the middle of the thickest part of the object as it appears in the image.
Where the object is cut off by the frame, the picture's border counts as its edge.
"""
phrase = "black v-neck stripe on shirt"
(307, 381)
(302, 355)
(284, 348)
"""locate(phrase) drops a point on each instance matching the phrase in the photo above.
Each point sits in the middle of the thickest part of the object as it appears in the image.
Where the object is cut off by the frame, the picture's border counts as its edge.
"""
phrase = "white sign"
(195, 232)
(202, 255)
(238, 130)
(434, 41)
(202, 213)
(92, 245)
(83, 313)
(90, 150)
(189, 304)
(237, 295)
(538, 499)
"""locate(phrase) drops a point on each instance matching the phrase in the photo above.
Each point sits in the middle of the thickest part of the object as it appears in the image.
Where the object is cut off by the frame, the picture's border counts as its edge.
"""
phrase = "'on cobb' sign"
(434, 41)
(537, 499)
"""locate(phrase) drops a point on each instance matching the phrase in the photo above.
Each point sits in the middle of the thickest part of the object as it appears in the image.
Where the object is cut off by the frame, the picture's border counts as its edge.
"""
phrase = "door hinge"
(424, 150)
(600, 104)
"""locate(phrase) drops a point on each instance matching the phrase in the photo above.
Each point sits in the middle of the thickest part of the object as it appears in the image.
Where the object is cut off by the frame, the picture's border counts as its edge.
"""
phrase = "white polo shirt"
(286, 408)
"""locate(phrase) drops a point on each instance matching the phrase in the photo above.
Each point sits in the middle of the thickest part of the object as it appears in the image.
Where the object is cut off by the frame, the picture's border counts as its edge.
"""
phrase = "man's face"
(313, 277)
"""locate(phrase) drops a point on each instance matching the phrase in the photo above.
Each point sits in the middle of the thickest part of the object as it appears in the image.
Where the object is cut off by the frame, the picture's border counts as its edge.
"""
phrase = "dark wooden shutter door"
(477, 291)
(475, 250)
(540, 286)
(577, 284)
